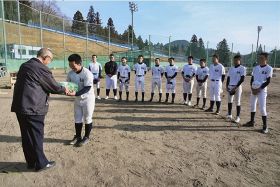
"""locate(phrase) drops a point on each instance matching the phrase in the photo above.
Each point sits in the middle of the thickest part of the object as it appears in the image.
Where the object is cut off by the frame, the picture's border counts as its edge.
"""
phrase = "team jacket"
(111, 67)
(34, 84)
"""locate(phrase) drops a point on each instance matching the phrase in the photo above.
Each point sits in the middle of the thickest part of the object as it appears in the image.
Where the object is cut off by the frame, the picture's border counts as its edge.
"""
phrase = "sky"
(236, 21)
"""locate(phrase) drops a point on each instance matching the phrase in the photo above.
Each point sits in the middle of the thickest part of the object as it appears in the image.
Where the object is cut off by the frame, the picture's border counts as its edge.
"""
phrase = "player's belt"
(214, 80)
(123, 77)
(140, 75)
(94, 73)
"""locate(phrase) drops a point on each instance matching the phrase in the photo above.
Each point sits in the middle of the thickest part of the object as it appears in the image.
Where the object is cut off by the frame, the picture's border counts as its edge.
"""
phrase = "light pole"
(259, 30)
(207, 51)
(169, 47)
(133, 8)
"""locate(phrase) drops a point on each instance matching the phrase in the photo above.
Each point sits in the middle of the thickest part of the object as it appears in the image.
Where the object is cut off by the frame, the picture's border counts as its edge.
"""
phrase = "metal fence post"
(231, 55)
(169, 43)
(41, 29)
(275, 55)
(109, 39)
(19, 30)
(63, 28)
(4, 33)
(87, 42)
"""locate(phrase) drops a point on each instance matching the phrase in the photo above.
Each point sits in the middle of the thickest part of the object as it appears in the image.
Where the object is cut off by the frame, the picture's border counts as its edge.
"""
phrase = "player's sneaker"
(84, 141)
(74, 140)
(229, 117)
(209, 110)
(98, 97)
(249, 124)
(189, 103)
(107, 97)
(265, 131)
(185, 102)
(195, 106)
(237, 120)
(115, 97)
(217, 112)
(203, 107)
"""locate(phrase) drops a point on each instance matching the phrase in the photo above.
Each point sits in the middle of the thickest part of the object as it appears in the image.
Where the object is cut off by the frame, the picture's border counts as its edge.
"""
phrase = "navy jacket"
(32, 88)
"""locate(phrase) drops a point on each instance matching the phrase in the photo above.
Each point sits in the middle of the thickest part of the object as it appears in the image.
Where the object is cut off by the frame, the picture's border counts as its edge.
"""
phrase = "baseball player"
(202, 74)
(235, 78)
(217, 77)
(140, 69)
(111, 68)
(170, 74)
(261, 76)
(188, 74)
(96, 70)
(124, 78)
(84, 98)
(157, 73)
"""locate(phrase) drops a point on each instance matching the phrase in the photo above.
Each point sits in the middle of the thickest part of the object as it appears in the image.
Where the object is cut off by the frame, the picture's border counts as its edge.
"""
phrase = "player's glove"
(255, 91)
(95, 81)
(231, 90)
(127, 81)
(120, 80)
(187, 78)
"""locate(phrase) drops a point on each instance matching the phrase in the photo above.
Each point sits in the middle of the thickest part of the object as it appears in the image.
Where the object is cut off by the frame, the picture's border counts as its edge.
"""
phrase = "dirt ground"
(148, 144)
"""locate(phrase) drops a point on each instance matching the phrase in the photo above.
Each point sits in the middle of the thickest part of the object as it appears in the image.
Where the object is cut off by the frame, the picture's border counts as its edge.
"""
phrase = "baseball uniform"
(157, 73)
(235, 77)
(124, 78)
(188, 72)
(140, 71)
(262, 75)
(216, 76)
(202, 74)
(84, 104)
(170, 74)
(96, 70)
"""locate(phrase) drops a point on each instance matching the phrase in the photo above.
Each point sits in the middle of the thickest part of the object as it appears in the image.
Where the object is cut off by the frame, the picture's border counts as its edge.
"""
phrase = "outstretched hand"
(71, 93)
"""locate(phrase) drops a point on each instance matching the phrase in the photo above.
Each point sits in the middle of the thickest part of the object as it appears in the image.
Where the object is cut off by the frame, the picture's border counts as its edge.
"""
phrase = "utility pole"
(133, 8)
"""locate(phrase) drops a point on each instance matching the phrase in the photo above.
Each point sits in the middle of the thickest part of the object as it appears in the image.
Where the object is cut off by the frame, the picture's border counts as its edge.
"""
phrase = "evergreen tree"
(98, 22)
(78, 25)
(91, 20)
(193, 48)
(202, 52)
(140, 42)
(223, 52)
(260, 50)
(10, 8)
(25, 16)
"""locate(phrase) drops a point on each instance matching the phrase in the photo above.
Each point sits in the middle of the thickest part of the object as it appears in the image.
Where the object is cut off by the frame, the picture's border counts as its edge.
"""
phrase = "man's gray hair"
(43, 52)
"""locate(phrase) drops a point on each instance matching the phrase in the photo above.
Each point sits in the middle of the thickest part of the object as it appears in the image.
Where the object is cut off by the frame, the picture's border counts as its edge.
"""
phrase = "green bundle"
(70, 85)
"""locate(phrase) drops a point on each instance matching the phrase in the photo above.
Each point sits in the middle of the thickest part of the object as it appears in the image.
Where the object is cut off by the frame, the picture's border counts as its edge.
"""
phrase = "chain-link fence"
(21, 35)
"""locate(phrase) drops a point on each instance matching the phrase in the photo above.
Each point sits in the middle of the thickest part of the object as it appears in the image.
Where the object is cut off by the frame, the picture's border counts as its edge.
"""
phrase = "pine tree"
(223, 52)
(140, 42)
(78, 25)
(99, 29)
(91, 20)
(25, 16)
(260, 50)
(193, 48)
(146, 43)
(10, 8)
(202, 52)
